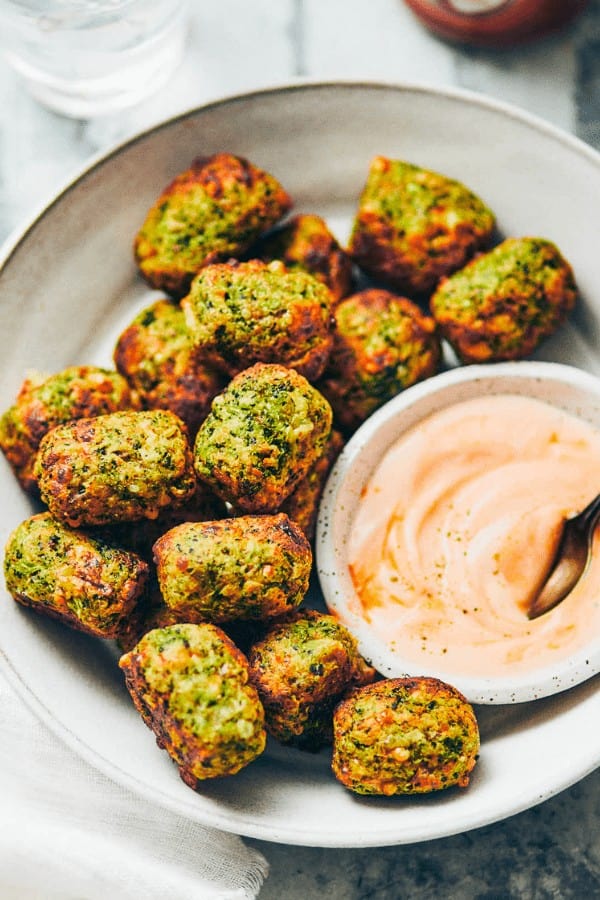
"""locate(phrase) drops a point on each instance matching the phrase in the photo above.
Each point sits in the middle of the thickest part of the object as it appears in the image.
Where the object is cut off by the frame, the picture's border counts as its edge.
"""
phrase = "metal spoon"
(570, 561)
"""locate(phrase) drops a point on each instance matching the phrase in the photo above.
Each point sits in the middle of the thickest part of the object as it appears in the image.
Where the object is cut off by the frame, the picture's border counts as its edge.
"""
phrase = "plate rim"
(250, 827)
(470, 96)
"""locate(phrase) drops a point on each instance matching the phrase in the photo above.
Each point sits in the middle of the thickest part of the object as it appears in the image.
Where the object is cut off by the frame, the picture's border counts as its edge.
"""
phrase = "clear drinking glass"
(88, 58)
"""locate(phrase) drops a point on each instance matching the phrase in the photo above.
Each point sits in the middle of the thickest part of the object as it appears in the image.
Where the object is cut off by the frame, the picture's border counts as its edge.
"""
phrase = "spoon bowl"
(570, 561)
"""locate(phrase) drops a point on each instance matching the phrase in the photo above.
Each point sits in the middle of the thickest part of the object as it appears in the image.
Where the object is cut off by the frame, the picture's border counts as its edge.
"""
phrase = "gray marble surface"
(550, 851)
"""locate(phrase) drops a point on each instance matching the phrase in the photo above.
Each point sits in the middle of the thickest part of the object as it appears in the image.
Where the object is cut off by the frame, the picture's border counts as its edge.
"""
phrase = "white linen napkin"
(69, 832)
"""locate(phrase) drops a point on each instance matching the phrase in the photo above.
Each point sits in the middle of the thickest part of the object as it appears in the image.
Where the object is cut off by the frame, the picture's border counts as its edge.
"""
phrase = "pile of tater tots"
(181, 489)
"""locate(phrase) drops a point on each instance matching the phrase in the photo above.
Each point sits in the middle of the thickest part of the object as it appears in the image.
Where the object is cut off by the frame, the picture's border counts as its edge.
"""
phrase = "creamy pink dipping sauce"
(456, 527)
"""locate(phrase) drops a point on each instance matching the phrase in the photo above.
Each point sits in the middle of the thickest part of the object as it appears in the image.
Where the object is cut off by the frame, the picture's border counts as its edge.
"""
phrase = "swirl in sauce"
(457, 525)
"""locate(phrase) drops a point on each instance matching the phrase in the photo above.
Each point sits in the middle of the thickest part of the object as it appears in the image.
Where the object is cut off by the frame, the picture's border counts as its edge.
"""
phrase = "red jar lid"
(495, 23)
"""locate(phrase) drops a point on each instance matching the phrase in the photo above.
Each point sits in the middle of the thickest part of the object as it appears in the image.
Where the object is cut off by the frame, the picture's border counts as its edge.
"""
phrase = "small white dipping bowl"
(567, 388)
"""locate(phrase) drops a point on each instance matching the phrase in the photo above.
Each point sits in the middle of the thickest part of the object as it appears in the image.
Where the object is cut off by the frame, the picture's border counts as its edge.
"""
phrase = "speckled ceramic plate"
(68, 285)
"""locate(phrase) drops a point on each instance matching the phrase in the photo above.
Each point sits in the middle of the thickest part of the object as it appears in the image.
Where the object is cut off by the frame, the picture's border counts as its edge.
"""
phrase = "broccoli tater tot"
(156, 356)
(46, 401)
(301, 669)
(251, 567)
(383, 344)
(213, 211)
(505, 302)
(67, 575)
(119, 467)
(305, 242)
(263, 434)
(413, 226)
(404, 736)
(190, 685)
(241, 313)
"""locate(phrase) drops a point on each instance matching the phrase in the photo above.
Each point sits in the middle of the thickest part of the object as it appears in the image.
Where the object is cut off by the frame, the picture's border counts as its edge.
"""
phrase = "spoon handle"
(588, 517)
